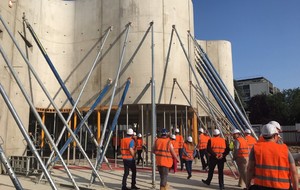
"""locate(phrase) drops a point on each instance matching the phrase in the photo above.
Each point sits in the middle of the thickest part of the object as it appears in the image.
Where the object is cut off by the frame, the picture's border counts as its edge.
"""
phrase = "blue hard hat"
(164, 131)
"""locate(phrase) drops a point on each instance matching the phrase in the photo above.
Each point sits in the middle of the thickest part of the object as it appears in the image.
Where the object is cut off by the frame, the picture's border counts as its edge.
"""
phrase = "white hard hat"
(134, 133)
(201, 130)
(235, 131)
(176, 130)
(248, 131)
(130, 131)
(276, 124)
(216, 132)
(190, 139)
(140, 135)
(268, 130)
(173, 137)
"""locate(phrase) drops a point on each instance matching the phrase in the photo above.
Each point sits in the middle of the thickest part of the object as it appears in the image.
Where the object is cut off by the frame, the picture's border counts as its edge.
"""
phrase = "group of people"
(265, 164)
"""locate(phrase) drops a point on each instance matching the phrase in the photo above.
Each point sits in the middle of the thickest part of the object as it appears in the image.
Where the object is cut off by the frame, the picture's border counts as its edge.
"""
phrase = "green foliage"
(283, 107)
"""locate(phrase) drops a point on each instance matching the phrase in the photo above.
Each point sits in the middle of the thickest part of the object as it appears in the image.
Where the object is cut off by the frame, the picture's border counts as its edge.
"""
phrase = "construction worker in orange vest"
(164, 154)
(249, 138)
(278, 127)
(128, 154)
(175, 146)
(180, 142)
(188, 154)
(202, 147)
(240, 155)
(271, 165)
(218, 149)
(139, 148)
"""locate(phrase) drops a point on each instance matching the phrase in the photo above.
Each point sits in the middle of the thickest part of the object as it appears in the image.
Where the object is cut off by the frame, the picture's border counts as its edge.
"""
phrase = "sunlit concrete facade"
(70, 32)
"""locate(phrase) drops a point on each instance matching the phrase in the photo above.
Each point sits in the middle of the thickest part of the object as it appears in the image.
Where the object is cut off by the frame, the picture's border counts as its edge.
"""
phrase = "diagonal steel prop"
(21, 86)
(54, 105)
(9, 169)
(26, 136)
(60, 81)
(112, 128)
(112, 96)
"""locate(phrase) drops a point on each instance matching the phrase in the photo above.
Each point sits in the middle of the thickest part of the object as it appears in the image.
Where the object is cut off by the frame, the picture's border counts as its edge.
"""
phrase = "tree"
(283, 107)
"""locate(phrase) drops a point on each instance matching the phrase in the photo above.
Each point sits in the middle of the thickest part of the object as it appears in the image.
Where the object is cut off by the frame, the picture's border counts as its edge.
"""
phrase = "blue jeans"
(188, 166)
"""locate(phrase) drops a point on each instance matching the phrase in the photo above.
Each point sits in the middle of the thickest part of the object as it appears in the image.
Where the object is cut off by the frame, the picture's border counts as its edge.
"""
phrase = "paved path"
(113, 179)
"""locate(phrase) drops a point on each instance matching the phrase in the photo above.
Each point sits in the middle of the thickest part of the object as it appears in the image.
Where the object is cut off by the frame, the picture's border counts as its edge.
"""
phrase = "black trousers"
(203, 153)
(129, 164)
(139, 152)
(212, 164)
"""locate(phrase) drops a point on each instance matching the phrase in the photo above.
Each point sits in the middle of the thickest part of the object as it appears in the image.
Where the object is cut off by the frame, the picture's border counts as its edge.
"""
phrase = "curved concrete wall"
(220, 54)
(70, 32)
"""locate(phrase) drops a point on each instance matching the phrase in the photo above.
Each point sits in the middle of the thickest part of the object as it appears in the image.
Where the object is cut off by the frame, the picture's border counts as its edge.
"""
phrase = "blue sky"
(264, 35)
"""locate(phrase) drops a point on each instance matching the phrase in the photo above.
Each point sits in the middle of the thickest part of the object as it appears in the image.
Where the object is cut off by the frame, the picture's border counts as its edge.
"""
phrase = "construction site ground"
(113, 178)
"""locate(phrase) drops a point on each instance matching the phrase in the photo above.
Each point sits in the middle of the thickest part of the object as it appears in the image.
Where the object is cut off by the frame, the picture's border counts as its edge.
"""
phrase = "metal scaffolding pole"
(49, 98)
(21, 86)
(60, 81)
(153, 106)
(193, 71)
(211, 69)
(114, 123)
(9, 170)
(100, 145)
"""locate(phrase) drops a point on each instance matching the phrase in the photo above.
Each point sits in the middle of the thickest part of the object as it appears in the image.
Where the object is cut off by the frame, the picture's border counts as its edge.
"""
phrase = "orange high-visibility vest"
(251, 141)
(180, 141)
(271, 165)
(163, 153)
(243, 151)
(189, 149)
(203, 139)
(218, 145)
(175, 146)
(139, 144)
(261, 139)
(125, 143)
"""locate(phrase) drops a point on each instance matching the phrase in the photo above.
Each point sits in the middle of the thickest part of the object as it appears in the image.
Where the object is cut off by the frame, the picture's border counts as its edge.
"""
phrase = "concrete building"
(72, 33)
(254, 86)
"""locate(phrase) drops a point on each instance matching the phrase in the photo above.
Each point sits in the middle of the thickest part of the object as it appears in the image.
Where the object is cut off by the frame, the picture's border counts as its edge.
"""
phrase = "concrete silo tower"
(71, 32)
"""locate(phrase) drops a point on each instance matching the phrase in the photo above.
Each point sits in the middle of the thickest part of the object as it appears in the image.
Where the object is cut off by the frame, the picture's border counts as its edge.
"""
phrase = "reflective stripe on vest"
(271, 165)
(203, 139)
(162, 152)
(251, 141)
(218, 145)
(189, 149)
(139, 144)
(125, 143)
(243, 149)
